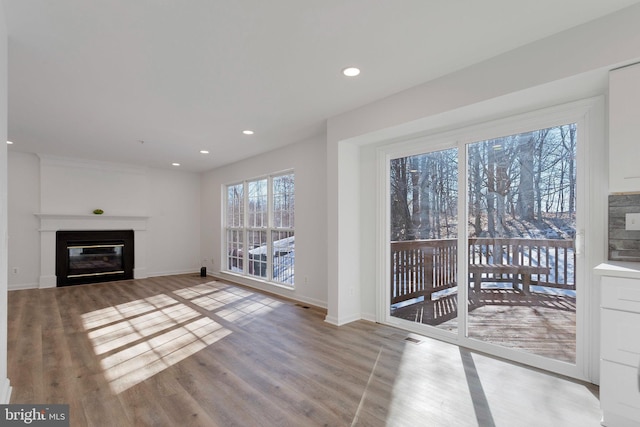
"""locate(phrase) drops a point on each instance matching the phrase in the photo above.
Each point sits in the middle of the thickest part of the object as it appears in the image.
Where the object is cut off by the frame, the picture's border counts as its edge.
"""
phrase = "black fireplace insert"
(92, 256)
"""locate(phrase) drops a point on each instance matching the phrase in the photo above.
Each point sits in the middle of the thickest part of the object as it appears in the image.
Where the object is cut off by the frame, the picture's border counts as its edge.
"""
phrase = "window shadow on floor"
(476, 391)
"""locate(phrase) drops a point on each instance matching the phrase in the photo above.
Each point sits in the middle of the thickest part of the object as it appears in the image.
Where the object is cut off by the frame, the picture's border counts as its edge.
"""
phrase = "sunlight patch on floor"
(230, 303)
(133, 365)
(116, 313)
(117, 335)
(197, 290)
(138, 339)
(141, 338)
(249, 309)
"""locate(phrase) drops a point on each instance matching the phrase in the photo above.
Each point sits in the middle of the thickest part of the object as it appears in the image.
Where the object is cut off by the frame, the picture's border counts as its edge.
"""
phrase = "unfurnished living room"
(336, 213)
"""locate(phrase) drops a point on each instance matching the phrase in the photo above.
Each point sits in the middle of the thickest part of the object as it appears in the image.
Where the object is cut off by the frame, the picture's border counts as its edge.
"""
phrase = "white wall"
(307, 159)
(565, 67)
(24, 238)
(170, 198)
(5, 389)
(174, 222)
(75, 186)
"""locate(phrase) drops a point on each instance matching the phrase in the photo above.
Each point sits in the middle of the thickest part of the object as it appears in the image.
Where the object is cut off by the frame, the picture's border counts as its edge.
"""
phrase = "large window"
(259, 228)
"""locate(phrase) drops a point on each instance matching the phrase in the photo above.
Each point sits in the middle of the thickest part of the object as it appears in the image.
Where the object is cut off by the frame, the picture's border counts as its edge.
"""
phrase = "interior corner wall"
(367, 200)
(345, 304)
(520, 80)
(24, 238)
(173, 230)
(170, 198)
(308, 161)
(5, 389)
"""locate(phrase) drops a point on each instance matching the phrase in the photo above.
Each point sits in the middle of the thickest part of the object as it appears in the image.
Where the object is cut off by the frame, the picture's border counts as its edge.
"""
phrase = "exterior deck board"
(536, 323)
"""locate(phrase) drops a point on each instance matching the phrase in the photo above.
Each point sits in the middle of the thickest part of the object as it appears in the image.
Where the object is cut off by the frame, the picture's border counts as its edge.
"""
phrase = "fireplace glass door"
(95, 260)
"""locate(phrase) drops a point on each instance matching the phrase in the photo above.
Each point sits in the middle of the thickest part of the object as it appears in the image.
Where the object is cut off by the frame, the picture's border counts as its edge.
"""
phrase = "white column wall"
(24, 239)
(173, 230)
(5, 388)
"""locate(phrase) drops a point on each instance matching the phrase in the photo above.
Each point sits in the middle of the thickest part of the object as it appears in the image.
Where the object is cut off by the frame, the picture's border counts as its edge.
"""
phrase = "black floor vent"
(413, 340)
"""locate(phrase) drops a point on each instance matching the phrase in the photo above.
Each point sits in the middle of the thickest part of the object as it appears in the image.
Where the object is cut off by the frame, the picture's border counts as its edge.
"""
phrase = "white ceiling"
(90, 79)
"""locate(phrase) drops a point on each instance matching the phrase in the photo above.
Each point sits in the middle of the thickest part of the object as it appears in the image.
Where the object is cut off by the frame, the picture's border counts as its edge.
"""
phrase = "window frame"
(587, 114)
(246, 227)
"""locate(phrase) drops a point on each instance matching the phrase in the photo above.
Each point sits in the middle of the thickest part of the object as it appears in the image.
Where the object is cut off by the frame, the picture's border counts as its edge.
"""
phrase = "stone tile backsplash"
(624, 245)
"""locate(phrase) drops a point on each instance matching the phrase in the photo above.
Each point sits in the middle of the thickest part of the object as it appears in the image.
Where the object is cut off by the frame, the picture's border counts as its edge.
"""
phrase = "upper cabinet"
(624, 129)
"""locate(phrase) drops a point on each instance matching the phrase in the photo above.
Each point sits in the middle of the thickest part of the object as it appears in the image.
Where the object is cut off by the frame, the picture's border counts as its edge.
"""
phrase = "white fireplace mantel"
(52, 222)
(55, 222)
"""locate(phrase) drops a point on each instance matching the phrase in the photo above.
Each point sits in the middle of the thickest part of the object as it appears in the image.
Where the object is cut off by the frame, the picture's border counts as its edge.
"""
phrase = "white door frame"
(590, 234)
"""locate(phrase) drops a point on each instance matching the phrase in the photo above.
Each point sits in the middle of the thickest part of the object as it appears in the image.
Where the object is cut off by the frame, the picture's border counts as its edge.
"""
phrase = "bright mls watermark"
(34, 415)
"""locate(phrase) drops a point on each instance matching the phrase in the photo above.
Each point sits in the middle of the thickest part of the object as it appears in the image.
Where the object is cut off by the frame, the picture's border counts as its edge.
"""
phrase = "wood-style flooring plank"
(191, 351)
(25, 359)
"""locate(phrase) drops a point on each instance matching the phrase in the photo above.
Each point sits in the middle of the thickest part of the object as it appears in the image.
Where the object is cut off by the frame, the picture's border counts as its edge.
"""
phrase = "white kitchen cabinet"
(620, 344)
(624, 129)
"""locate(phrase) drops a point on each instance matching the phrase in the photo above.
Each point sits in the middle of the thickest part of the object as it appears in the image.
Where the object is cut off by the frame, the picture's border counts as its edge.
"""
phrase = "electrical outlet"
(632, 221)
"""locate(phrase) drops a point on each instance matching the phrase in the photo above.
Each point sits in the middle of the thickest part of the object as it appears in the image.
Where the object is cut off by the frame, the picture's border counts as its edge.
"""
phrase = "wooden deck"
(420, 268)
(536, 323)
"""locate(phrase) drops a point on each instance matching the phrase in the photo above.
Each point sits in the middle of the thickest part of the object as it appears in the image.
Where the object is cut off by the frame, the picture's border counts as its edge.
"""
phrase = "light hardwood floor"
(184, 350)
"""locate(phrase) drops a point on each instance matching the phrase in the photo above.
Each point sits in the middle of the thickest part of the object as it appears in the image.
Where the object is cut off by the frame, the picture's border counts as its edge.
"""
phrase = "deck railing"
(422, 267)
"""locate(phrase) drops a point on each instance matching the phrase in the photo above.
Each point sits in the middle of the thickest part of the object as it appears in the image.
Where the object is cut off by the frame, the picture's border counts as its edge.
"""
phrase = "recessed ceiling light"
(351, 71)
(175, 164)
(9, 142)
(247, 132)
(204, 152)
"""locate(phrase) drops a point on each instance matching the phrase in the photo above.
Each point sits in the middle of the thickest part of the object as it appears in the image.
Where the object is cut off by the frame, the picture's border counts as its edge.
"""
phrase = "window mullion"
(269, 228)
(245, 225)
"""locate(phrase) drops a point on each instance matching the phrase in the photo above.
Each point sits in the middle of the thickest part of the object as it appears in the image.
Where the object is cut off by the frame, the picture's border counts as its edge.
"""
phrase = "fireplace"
(92, 256)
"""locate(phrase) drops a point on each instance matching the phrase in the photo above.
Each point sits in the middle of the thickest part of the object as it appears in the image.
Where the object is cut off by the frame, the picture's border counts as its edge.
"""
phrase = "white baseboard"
(48, 282)
(331, 320)
(311, 301)
(172, 273)
(22, 286)
(140, 273)
(268, 287)
(369, 317)
(342, 320)
(5, 391)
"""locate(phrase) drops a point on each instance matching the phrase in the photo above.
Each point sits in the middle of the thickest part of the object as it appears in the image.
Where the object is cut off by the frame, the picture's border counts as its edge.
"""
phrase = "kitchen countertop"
(619, 269)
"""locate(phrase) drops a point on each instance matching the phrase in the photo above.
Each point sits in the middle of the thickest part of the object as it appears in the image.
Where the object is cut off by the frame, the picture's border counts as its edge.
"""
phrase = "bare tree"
(475, 188)
(400, 215)
(568, 135)
(525, 206)
(425, 190)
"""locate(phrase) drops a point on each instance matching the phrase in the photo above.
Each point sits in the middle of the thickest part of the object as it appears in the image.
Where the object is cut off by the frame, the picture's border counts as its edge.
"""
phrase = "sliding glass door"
(521, 232)
(424, 238)
(482, 243)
